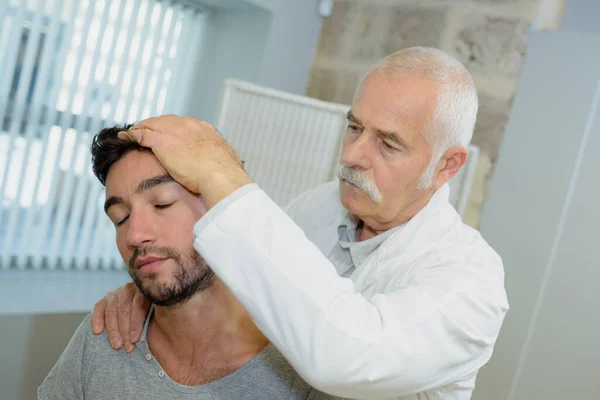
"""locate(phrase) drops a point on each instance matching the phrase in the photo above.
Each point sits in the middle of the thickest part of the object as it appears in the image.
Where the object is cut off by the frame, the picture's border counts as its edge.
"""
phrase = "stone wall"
(488, 36)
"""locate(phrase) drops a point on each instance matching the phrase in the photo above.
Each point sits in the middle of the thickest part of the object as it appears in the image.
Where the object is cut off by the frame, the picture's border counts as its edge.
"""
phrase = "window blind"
(69, 68)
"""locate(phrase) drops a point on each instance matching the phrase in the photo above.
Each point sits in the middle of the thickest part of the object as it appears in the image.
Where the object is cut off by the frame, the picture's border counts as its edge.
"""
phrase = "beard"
(191, 275)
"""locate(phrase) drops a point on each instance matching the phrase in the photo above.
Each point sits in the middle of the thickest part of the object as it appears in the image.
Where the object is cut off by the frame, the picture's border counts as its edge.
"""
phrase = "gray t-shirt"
(89, 368)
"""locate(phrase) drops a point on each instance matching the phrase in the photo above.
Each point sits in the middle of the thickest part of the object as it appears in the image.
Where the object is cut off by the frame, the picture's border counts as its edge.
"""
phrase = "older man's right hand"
(122, 312)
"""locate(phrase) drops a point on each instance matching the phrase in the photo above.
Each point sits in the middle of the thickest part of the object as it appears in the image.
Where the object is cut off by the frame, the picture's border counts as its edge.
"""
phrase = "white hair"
(456, 103)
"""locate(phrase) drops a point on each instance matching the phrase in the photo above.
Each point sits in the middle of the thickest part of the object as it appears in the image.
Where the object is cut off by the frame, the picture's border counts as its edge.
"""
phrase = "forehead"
(131, 169)
(408, 100)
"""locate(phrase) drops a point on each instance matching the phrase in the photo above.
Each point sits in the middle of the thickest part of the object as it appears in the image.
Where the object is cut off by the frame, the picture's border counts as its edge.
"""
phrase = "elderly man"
(198, 341)
(371, 287)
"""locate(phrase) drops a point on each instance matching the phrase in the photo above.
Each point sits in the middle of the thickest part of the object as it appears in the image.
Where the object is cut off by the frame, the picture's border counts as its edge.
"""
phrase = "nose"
(141, 229)
(356, 151)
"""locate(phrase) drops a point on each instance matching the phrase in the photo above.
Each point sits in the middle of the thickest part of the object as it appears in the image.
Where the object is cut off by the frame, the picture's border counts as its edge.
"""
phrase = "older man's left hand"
(193, 153)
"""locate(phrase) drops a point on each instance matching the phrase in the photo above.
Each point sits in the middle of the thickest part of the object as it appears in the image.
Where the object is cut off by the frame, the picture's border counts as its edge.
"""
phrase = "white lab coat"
(417, 321)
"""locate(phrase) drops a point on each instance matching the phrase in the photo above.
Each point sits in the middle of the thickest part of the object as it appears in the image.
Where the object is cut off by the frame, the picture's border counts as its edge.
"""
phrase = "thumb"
(145, 137)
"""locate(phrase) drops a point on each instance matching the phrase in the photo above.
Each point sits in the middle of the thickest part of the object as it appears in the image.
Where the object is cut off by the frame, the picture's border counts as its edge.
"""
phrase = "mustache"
(361, 180)
(165, 252)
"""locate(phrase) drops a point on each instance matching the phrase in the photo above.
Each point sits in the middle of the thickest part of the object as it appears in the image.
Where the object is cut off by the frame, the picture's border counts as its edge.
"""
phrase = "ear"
(451, 162)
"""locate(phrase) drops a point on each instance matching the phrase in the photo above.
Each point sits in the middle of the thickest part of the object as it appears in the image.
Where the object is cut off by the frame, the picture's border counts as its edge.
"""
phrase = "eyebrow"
(352, 118)
(391, 136)
(149, 183)
(144, 185)
(111, 201)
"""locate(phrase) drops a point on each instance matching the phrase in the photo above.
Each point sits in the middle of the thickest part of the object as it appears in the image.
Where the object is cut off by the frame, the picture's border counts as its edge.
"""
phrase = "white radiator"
(290, 143)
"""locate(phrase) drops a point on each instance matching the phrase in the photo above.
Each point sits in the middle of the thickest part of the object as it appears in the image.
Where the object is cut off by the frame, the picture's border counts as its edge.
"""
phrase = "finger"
(161, 123)
(125, 296)
(144, 136)
(112, 321)
(138, 316)
(149, 121)
(98, 316)
(177, 125)
(131, 136)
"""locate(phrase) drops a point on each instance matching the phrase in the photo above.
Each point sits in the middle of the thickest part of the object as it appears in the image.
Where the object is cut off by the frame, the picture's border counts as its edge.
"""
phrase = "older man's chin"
(353, 199)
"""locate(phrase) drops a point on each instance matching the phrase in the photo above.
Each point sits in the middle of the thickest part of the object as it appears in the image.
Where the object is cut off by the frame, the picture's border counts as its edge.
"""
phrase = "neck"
(211, 322)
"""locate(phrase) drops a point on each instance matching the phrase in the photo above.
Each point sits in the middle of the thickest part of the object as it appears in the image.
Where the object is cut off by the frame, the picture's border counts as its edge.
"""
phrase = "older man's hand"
(122, 312)
(193, 153)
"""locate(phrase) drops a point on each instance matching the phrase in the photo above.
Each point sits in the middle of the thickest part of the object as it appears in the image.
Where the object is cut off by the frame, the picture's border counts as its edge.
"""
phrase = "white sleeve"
(418, 337)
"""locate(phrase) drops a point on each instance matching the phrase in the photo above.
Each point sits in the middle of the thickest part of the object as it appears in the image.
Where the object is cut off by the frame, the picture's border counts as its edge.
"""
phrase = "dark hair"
(107, 149)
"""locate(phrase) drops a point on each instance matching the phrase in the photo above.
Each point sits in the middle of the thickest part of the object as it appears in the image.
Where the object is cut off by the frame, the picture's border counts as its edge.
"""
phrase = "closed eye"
(121, 222)
(163, 206)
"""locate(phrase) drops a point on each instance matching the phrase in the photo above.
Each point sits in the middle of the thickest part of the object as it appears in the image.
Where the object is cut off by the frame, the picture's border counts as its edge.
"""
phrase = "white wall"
(542, 215)
(291, 45)
(268, 42)
(581, 16)
(233, 46)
